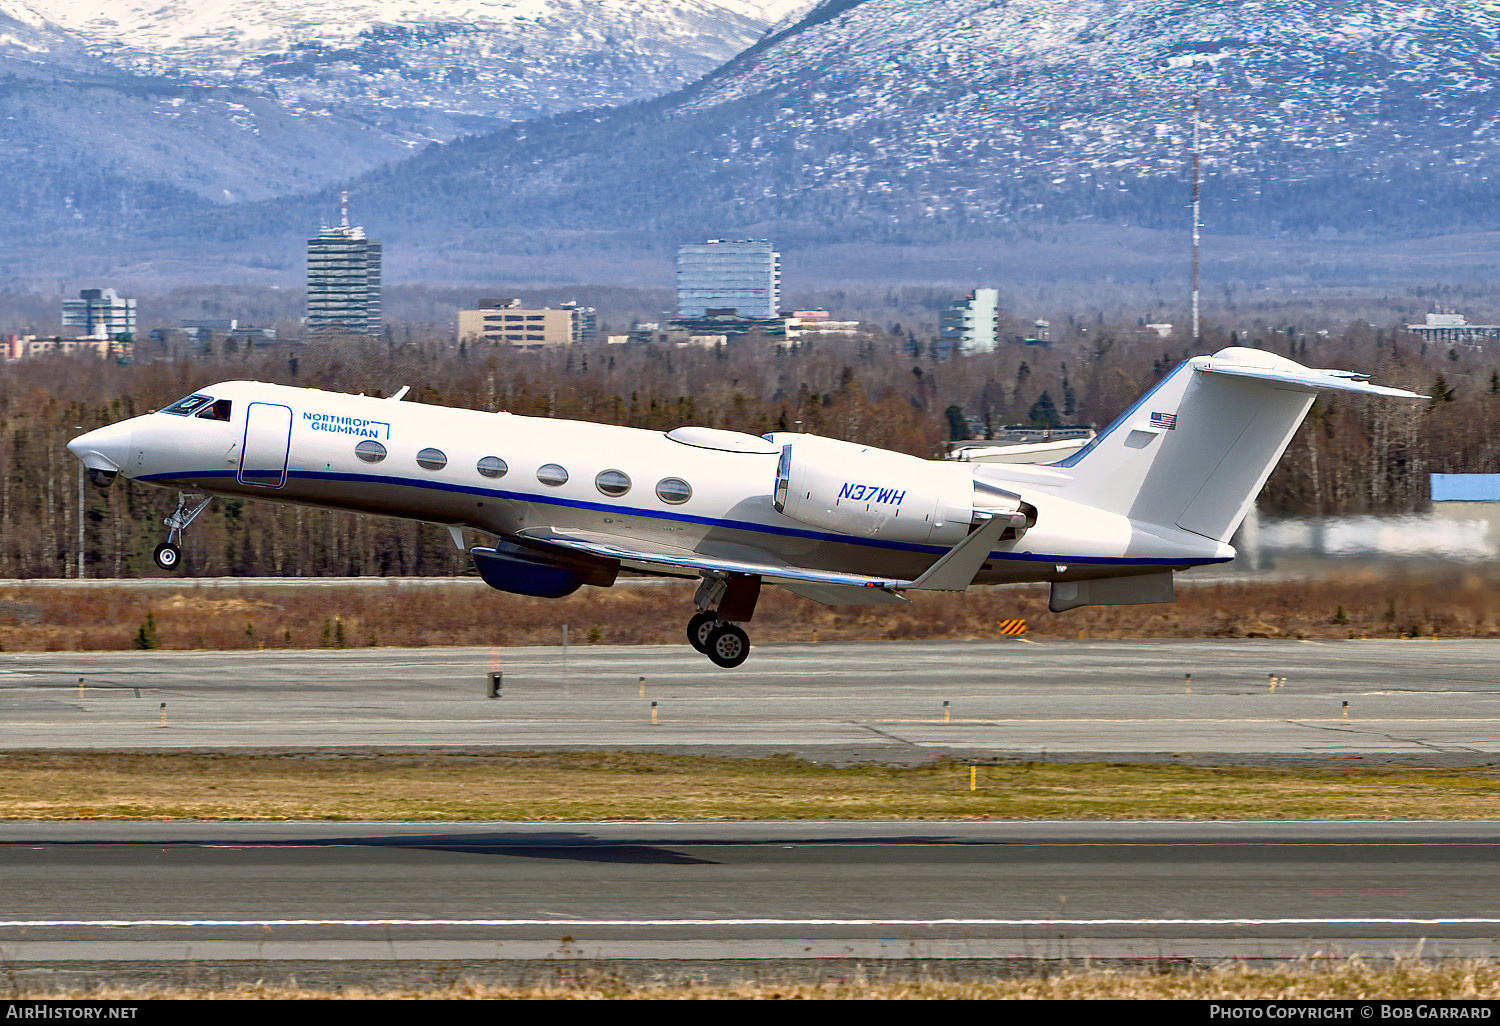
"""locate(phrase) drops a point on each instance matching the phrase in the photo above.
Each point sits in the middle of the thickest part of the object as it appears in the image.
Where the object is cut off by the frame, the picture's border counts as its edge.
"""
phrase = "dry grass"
(1344, 979)
(58, 619)
(621, 785)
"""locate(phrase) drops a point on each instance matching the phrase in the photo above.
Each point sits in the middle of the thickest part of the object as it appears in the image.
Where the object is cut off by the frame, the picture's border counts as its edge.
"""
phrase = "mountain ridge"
(897, 122)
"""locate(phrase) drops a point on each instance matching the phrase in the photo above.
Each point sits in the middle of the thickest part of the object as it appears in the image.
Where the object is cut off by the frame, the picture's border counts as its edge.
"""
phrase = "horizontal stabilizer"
(1306, 377)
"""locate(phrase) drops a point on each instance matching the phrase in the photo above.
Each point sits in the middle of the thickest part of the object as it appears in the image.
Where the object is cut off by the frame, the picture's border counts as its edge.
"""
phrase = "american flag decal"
(1165, 421)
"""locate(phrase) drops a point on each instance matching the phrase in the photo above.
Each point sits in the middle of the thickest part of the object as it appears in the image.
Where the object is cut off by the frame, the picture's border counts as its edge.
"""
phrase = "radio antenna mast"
(1197, 221)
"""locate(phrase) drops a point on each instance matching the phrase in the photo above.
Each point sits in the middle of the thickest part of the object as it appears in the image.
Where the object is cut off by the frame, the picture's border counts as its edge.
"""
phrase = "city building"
(731, 326)
(1470, 497)
(1454, 329)
(226, 328)
(816, 322)
(506, 320)
(22, 347)
(971, 324)
(99, 313)
(343, 279)
(724, 278)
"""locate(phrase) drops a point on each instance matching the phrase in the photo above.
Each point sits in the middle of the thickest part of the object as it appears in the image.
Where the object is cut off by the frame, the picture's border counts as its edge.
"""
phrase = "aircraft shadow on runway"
(562, 846)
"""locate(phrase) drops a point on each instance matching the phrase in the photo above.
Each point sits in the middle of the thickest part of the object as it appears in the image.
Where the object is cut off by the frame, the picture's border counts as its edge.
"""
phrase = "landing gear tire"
(728, 645)
(698, 629)
(167, 556)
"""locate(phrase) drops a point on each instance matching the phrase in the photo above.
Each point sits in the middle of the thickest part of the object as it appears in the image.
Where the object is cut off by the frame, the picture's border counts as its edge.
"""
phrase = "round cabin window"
(552, 474)
(370, 451)
(432, 459)
(492, 466)
(673, 490)
(612, 482)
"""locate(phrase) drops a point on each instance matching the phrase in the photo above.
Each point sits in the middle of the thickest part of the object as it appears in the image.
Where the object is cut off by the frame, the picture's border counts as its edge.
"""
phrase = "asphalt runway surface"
(1409, 702)
(601, 892)
(354, 901)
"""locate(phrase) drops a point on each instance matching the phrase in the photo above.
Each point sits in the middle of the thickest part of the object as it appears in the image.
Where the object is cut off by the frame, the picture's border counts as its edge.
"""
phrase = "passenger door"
(267, 445)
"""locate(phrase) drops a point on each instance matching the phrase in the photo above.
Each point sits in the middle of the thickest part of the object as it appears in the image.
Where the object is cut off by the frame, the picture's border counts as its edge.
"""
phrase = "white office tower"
(100, 313)
(343, 280)
(742, 279)
(971, 324)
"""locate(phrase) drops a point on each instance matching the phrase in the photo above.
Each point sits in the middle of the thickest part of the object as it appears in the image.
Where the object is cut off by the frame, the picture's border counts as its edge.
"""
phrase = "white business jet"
(568, 503)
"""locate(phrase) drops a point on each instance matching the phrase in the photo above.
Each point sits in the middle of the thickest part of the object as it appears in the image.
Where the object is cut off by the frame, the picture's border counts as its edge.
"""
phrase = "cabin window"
(216, 410)
(612, 482)
(432, 459)
(552, 474)
(492, 466)
(673, 490)
(189, 406)
(370, 451)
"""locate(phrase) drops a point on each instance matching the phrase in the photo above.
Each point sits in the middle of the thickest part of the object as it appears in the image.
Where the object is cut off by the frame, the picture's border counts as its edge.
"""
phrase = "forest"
(888, 388)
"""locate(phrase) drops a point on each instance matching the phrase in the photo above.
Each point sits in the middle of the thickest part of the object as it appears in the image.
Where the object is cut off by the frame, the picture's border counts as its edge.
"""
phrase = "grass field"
(1453, 605)
(621, 785)
(1347, 979)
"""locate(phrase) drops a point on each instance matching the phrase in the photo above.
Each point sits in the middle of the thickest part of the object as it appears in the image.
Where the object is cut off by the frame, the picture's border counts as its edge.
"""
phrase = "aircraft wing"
(954, 570)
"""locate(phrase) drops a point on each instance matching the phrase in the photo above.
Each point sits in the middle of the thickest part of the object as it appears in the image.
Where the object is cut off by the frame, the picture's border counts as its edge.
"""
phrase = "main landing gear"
(168, 555)
(723, 603)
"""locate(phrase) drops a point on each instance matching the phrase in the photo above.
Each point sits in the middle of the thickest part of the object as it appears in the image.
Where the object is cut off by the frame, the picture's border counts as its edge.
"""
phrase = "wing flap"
(630, 550)
(839, 595)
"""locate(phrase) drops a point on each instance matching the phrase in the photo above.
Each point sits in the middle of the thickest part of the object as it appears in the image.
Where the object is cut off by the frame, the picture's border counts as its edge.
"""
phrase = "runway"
(1410, 702)
(606, 892)
(369, 901)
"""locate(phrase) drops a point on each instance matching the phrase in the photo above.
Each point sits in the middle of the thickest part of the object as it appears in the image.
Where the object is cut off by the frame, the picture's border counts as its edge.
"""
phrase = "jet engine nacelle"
(875, 493)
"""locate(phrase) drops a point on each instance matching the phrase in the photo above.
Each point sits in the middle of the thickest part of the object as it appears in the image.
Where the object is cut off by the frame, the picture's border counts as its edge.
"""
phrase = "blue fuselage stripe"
(687, 518)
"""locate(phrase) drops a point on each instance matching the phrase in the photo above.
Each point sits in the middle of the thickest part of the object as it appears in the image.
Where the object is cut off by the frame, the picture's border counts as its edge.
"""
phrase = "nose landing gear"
(722, 601)
(168, 555)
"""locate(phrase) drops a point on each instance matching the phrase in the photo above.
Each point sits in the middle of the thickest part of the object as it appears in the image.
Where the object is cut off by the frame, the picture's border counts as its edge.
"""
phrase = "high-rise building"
(971, 324)
(343, 279)
(498, 320)
(717, 277)
(100, 313)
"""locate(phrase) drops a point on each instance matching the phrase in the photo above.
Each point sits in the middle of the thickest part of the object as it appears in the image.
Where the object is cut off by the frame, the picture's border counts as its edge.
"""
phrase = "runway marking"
(1358, 921)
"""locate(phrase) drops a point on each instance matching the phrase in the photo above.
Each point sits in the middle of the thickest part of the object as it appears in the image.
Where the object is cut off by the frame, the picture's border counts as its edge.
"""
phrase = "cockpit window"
(216, 410)
(187, 407)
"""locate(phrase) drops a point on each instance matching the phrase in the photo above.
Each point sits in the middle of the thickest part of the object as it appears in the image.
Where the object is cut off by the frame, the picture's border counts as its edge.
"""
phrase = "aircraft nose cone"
(107, 448)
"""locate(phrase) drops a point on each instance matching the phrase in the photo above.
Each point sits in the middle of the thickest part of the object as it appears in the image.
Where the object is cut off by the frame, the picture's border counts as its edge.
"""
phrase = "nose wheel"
(168, 555)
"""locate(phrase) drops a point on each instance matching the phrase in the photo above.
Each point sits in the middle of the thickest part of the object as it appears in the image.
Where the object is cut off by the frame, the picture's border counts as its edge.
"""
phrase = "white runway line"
(1355, 921)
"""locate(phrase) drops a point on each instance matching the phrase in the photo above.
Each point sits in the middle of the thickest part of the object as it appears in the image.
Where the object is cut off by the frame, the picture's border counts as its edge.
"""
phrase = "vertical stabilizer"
(1194, 451)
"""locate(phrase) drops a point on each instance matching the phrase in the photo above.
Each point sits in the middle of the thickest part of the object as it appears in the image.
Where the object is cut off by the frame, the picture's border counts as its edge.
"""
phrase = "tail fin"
(1195, 450)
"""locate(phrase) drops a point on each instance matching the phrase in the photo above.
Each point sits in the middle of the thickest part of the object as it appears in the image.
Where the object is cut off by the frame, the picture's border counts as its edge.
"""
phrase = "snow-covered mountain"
(904, 120)
(884, 118)
(31, 45)
(115, 108)
(510, 59)
(1085, 86)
